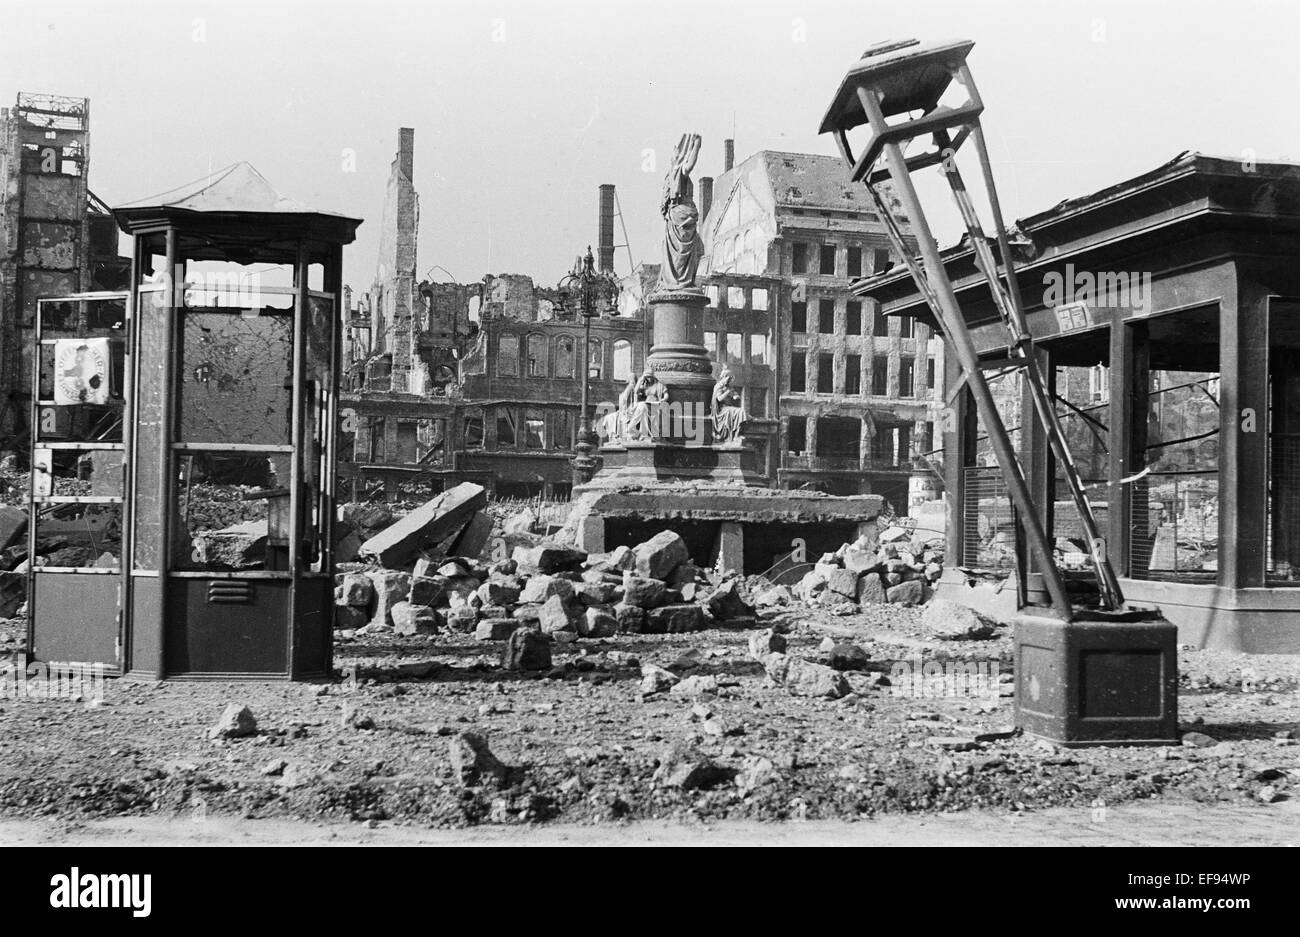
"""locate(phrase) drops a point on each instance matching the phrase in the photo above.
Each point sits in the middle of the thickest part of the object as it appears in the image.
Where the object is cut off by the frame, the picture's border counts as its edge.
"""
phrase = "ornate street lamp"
(586, 291)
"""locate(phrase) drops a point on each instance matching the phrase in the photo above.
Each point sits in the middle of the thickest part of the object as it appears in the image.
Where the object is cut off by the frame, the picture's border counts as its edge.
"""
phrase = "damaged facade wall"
(855, 396)
(56, 238)
(44, 157)
(450, 382)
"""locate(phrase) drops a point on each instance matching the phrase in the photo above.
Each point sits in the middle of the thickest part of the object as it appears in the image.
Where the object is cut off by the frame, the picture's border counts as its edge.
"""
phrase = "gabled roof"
(806, 180)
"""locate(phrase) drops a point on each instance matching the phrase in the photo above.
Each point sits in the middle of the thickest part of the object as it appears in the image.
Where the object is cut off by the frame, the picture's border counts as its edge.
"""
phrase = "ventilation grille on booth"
(230, 592)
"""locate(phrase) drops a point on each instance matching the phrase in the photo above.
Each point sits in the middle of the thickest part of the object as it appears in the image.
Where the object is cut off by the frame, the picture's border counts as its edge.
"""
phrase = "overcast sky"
(521, 110)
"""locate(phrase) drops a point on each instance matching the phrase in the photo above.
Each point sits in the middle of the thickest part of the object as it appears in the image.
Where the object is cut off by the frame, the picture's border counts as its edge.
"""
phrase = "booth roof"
(238, 189)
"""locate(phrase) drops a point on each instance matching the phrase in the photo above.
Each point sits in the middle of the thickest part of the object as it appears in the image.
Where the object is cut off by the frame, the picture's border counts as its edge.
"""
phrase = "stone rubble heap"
(545, 593)
(893, 567)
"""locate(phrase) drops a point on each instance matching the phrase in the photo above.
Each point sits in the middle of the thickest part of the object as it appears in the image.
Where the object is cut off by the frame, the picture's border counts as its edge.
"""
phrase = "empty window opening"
(853, 374)
(826, 316)
(827, 260)
(838, 437)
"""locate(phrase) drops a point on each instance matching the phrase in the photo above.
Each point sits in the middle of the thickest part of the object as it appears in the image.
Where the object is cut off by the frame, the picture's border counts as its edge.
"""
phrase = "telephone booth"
(222, 469)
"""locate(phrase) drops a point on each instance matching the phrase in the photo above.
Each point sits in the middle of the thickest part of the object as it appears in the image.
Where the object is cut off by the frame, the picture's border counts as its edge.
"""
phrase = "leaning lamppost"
(583, 291)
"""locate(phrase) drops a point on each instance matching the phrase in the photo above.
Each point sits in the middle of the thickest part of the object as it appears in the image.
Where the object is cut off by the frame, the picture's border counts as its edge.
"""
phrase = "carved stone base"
(679, 359)
(662, 461)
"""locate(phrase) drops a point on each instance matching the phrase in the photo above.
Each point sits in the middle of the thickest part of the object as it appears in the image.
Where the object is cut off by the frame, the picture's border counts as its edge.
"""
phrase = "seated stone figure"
(638, 402)
(728, 412)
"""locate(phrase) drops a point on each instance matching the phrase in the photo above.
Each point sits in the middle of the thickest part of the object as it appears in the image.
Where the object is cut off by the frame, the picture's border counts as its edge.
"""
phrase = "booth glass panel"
(232, 511)
(234, 377)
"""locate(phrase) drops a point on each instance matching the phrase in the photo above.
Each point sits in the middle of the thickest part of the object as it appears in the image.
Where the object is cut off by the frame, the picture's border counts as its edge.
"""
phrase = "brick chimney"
(728, 155)
(605, 230)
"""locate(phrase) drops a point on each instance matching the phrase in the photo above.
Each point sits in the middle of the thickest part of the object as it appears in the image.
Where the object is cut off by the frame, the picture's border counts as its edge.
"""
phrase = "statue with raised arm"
(682, 248)
(728, 411)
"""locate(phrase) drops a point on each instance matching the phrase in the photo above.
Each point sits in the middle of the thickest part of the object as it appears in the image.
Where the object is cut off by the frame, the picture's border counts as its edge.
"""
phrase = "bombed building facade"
(56, 237)
(480, 382)
(849, 397)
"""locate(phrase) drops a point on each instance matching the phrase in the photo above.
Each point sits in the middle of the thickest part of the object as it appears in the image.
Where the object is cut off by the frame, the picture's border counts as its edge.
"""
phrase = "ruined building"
(845, 398)
(449, 382)
(56, 237)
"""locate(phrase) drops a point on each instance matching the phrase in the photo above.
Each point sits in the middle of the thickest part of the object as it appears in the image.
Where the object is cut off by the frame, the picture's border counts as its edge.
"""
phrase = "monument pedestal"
(669, 462)
(680, 361)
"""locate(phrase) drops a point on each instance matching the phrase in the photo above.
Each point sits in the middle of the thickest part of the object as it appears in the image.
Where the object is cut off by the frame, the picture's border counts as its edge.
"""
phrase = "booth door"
(75, 521)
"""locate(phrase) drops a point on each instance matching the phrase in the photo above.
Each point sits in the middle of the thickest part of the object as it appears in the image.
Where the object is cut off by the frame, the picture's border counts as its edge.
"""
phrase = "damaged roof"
(238, 189)
(806, 180)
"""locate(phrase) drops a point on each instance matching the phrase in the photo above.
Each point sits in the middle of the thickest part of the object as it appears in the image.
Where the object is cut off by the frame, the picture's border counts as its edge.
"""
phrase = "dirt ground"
(582, 747)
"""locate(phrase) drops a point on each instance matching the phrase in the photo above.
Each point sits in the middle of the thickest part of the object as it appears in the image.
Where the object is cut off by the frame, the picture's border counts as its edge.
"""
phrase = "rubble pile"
(894, 567)
(425, 573)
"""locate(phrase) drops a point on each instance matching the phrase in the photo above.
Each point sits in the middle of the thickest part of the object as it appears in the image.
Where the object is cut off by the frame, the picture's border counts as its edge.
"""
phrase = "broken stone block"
(950, 621)
(548, 558)
(810, 585)
(674, 619)
(871, 591)
(409, 619)
(630, 618)
(912, 592)
(370, 516)
(642, 592)
(859, 560)
(455, 568)
(498, 592)
(350, 618)
(356, 590)
(526, 649)
(462, 619)
(621, 558)
(495, 629)
(843, 582)
(846, 656)
(431, 522)
(686, 769)
(236, 722)
(764, 643)
(475, 536)
(805, 678)
(593, 593)
(239, 546)
(697, 685)
(554, 616)
(725, 603)
(13, 525)
(426, 590)
(660, 555)
(391, 587)
(655, 679)
(472, 762)
(770, 598)
(686, 573)
(597, 622)
(493, 611)
(541, 588)
(527, 613)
